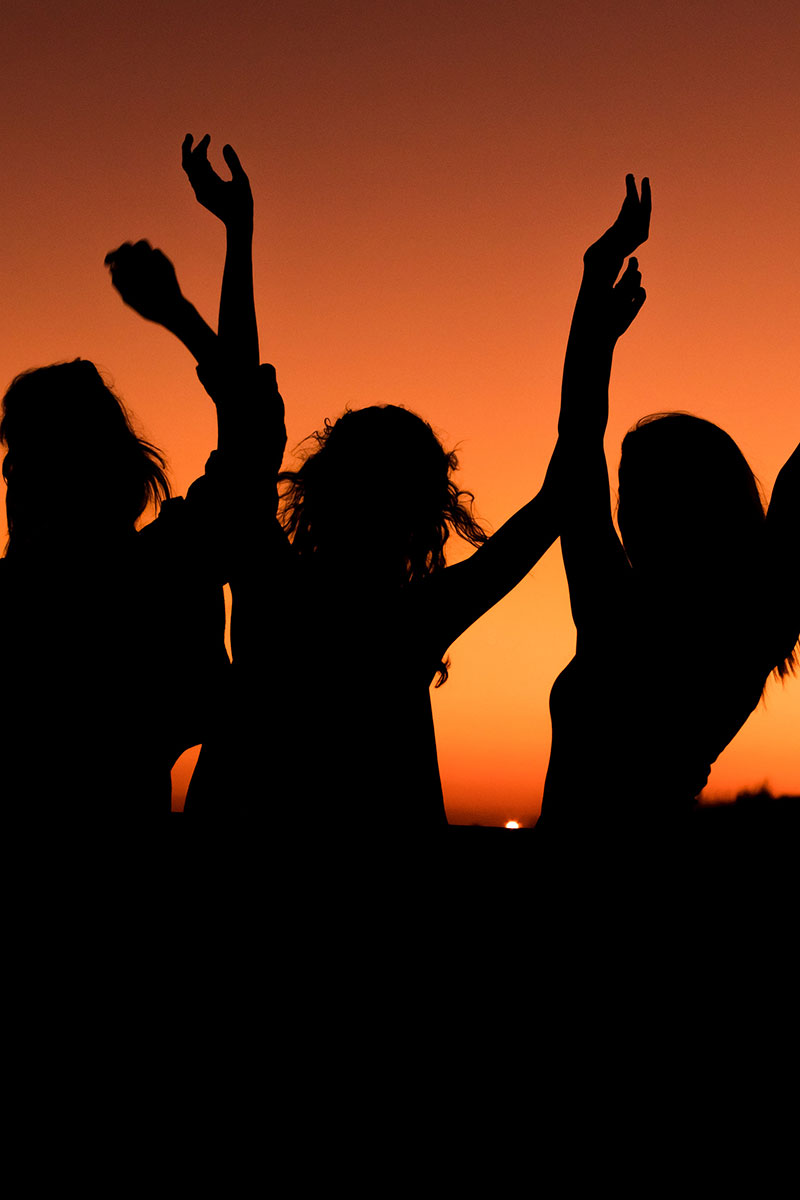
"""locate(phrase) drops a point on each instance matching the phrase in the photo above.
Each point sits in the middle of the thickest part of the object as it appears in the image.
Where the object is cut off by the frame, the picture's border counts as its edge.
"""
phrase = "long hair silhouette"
(62, 422)
(99, 616)
(691, 514)
(681, 622)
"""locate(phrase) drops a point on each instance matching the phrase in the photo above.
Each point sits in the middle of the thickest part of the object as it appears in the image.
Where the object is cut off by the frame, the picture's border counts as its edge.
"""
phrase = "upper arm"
(595, 562)
(456, 597)
(783, 530)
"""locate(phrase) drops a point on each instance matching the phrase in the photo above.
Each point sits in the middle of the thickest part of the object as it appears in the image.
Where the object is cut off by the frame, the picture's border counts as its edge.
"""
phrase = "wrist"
(240, 230)
(181, 314)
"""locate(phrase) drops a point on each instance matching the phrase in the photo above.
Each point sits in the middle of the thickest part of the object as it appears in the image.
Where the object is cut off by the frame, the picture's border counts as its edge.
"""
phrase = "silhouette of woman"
(114, 635)
(343, 613)
(680, 624)
(251, 433)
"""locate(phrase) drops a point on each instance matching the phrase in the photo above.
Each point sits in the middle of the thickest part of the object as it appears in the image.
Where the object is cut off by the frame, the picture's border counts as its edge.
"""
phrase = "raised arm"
(594, 559)
(231, 201)
(457, 597)
(574, 498)
(146, 280)
(602, 314)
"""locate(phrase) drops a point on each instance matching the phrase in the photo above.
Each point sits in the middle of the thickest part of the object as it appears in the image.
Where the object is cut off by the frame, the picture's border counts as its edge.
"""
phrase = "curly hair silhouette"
(377, 495)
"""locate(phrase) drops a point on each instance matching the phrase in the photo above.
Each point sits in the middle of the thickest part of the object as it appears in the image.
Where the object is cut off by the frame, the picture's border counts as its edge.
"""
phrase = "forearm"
(589, 544)
(514, 550)
(189, 328)
(238, 330)
(587, 368)
(465, 591)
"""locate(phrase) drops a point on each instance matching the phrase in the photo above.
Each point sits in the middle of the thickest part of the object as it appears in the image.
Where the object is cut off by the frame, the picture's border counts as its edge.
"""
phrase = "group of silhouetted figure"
(343, 607)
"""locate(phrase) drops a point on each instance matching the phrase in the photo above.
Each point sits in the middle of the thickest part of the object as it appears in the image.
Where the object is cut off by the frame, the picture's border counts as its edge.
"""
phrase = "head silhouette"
(376, 495)
(689, 504)
(69, 441)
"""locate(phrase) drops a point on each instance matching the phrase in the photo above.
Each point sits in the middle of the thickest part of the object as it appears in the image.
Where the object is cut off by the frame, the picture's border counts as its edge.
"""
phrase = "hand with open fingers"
(630, 229)
(231, 200)
(146, 280)
(627, 299)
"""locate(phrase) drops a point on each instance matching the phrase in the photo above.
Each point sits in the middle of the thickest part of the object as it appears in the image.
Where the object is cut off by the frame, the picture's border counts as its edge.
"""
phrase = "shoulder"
(171, 515)
(784, 507)
(181, 528)
(179, 511)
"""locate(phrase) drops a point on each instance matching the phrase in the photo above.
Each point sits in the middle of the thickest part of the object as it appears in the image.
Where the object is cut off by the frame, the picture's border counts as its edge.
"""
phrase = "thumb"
(232, 159)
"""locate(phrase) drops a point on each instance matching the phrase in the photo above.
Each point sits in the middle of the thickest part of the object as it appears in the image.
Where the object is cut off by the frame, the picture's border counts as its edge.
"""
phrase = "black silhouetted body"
(342, 618)
(680, 624)
(670, 663)
(113, 635)
(343, 611)
(247, 423)
(344, 702)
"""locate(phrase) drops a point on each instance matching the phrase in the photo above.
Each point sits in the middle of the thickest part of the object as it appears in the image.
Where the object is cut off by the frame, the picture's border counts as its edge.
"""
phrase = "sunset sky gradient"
(427, 177)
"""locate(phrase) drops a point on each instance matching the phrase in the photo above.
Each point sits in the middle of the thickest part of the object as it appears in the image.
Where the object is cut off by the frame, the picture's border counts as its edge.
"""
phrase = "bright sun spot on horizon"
(512, 825)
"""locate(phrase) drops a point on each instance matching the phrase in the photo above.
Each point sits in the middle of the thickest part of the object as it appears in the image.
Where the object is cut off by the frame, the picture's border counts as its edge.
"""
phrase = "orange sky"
(427, 176)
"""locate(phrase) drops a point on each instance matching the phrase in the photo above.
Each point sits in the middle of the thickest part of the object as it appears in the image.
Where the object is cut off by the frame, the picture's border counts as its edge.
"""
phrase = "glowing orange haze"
(427, 177)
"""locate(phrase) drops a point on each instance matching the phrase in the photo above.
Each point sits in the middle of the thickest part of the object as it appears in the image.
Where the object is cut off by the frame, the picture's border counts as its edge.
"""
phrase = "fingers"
(122, 251)
(643, 204)
(647, 204)
(630, 285)
(632, 275)
(113, 255)
(192, 158)
(127, 249)
(630, 295)
(631, 192)
(232, 159)
(135, 262)
(122, 254)
(119, 263)
(632, 199)
(197, 157)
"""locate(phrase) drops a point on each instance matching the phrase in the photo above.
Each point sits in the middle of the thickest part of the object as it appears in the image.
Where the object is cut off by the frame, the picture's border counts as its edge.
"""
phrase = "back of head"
(378, 488)
(689, 504)
(693, 524)
(375, 501)
(70, 442)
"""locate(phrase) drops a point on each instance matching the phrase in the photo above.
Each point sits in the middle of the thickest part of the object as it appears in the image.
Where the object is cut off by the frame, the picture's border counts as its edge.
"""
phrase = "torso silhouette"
(334, 653)
(333, 725)
(113, 654)
(658, 687)
(374, 663)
